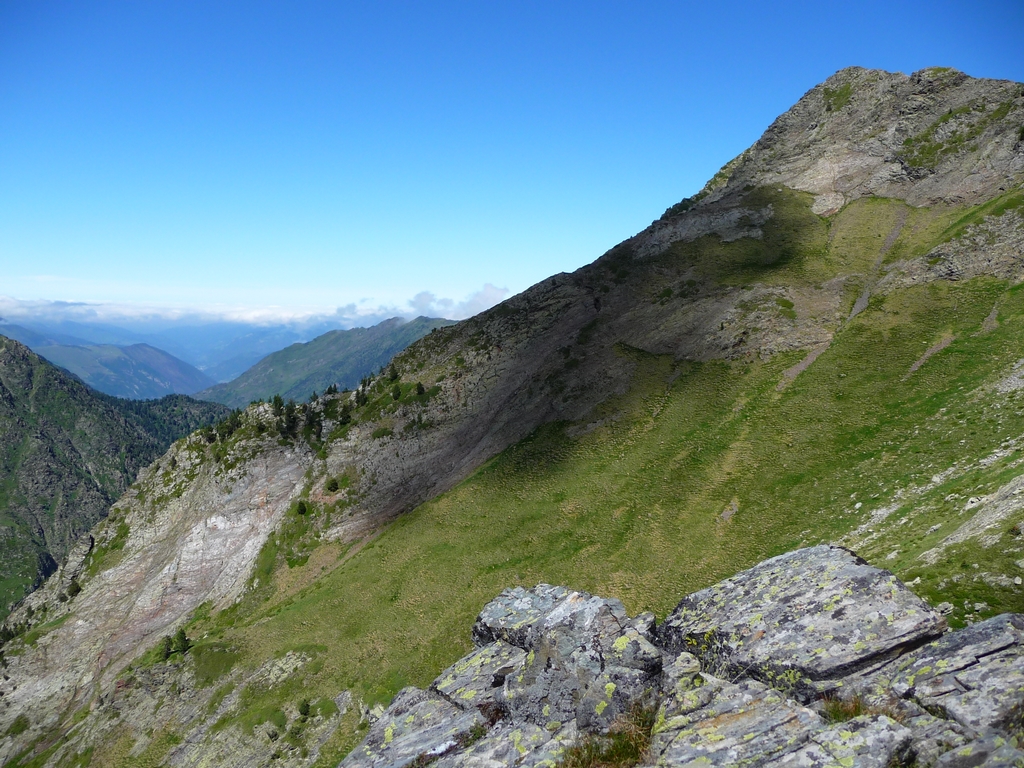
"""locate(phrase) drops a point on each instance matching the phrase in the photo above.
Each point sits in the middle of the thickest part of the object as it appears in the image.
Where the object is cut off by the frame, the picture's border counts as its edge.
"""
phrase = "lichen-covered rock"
(521, 744)
(742, 722)
(506, 744)
(416, 724)
(992, 750)
(866, 742)
(810, 615)
(586, 660)
(512, 614)
(480, 676)
(933, 736)
(707, 721)
(974, 676)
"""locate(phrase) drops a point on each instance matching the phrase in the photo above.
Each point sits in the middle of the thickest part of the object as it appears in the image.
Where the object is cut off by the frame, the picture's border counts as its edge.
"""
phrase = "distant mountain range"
(340, 358)
(264, 361)
(222, 349)
(136, 371)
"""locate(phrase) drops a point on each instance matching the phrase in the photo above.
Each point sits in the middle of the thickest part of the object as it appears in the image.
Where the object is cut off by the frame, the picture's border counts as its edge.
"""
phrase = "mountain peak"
(937, 136)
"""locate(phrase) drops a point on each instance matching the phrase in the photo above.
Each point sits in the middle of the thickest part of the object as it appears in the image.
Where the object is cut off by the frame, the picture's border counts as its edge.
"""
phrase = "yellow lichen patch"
(517, 742)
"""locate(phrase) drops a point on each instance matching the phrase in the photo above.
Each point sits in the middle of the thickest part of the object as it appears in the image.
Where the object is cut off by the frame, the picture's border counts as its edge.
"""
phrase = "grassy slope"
(634, 508)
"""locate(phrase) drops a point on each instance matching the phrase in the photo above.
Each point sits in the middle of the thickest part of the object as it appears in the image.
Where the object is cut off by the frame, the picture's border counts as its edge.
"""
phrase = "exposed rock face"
(585, 660)
(848, 138)
(974, 676)
(553, 665)
(201, 547)
(813, 615)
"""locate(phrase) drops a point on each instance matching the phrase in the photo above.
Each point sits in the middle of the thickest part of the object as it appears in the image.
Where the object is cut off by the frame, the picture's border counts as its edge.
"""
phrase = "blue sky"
(267, 159)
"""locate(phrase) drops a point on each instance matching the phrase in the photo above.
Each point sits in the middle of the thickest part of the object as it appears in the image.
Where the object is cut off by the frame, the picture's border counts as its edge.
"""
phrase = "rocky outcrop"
(813, 658)
(800, 620)
(935, 136)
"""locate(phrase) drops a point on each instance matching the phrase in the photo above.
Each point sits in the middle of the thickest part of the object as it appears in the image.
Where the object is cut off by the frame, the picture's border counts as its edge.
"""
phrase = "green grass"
(106, 555)
(212, 661)
(32, 636)
(842, 710)
(626, 744)
(995, 207)
(837, 98)
(19, 726)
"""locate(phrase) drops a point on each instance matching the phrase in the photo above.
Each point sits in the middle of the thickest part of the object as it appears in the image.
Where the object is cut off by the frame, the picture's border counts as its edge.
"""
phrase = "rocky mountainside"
(337, 358)
(67, 454)
(824, 345)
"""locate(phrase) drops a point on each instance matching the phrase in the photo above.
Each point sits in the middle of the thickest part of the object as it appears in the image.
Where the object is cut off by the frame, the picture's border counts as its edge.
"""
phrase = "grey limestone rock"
(867, 742)
(415, 724)
(521, 744)
(707, 721)
(479, 677)
(974, 676)
(506, 744)
(992, 750)
(811, 615)
(586, 660)
(933, 736)
(740, 724)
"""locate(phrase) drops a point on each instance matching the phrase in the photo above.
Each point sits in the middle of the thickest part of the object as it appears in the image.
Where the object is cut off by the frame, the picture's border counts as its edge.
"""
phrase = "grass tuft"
(626, 744)
(836, 710)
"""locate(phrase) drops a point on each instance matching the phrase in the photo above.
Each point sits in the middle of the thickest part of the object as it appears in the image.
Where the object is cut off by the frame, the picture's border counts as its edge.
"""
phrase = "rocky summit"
(728, 678)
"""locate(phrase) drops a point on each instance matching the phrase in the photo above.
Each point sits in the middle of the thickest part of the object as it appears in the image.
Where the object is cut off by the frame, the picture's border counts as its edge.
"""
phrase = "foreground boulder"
(808, 616)
(813, 658)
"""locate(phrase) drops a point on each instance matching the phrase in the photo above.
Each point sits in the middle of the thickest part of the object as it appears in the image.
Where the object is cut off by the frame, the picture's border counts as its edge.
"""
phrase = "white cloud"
(364, 313)
(427, 303)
